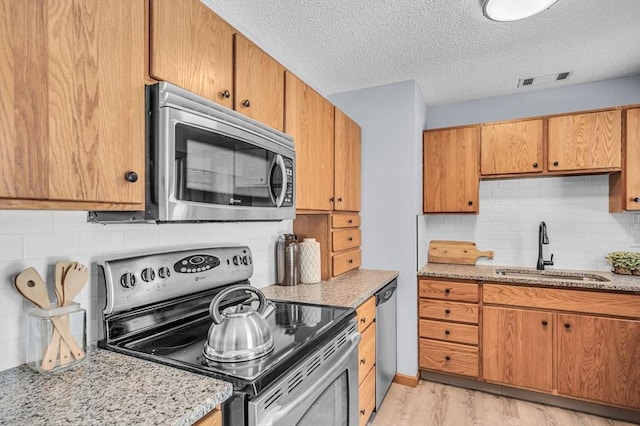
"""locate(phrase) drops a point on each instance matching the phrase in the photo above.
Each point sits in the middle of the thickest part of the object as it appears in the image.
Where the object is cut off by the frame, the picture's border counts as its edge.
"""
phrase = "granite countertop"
(351, 289)
(108, 388)
(622, 283)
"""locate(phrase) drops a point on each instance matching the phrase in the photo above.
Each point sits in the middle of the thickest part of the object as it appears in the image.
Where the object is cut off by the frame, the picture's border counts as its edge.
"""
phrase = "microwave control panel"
(288, 196)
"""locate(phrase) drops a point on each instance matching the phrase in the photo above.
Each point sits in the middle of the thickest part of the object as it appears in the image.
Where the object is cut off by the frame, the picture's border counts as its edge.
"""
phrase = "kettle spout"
(268, 310)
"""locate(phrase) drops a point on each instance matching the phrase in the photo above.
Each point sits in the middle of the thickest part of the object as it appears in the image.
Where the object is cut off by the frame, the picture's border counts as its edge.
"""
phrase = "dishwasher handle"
(386, 293)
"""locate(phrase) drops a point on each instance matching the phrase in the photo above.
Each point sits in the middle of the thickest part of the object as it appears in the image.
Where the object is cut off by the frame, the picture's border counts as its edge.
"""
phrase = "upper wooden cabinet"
(192, 47)
(514, 147)
(624, 187)
(72, 104)
(450, 170)
(259, 84)
(585, 141)
(309, 118)
(347, 177)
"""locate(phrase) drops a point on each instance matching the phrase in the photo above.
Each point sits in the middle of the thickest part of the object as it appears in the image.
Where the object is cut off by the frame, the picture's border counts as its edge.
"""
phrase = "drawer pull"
(363, 361)
(447, 290)
(544, 322)
(447, 332)
(567, 325)
(447, 358)
(350, 260)
(363, 320)
(447, 311)
(350, 221)
(362, 412)
(350, 239)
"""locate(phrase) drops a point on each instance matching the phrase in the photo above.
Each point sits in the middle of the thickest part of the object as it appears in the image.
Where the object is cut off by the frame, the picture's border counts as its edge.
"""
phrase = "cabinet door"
(598, 359)
(192, 47)
(450, 170)
(309, 119)
(585, 141)
(517, 347)
(259, 84)
(72, 102)
(511, 148)
(347, 163)
(624, 187)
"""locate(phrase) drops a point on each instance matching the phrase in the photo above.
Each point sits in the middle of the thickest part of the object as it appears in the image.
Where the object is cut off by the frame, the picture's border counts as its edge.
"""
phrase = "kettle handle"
(214, 307)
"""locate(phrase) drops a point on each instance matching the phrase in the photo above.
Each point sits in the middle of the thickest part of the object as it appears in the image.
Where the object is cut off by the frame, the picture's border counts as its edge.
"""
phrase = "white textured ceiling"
(447, 46)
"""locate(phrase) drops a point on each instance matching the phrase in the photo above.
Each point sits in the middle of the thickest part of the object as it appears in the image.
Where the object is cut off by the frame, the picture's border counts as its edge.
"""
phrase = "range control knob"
(245, 260)
(148, 275)
(237, 260)
(128, 280)
(164, 272)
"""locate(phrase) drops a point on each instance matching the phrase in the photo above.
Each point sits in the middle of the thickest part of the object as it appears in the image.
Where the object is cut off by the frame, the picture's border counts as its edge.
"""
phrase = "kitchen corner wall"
(392, 119)
(40, 238)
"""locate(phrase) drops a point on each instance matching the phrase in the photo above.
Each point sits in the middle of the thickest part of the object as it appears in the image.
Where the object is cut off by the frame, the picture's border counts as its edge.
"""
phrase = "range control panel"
(140, 280)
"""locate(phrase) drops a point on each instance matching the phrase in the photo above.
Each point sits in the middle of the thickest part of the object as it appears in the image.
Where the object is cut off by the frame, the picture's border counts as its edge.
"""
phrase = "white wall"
(40, 238)
(392, 118)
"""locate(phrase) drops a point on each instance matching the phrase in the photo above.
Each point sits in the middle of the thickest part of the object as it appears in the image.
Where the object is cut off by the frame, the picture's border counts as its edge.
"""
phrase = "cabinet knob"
(447, 311)
(555, 163)
(535, 165)
(362, 412)
(246, 103)
(447, 358)
(332, 199)
(567, 325)
(447, 332)
(339, 199)
(363, 361)
(350, 221)
(131, 176)
(470, 202)
(350, 260)
(363, 320)
(225, 94)
(636, 200)
(447, 290)
(350, 239)
(544, 322)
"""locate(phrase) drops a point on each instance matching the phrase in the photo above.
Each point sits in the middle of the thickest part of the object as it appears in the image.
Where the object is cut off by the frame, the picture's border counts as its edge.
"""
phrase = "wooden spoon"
(65, 353)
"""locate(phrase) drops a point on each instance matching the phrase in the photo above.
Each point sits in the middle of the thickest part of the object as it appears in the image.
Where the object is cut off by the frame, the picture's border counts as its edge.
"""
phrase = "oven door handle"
(283, 169)
(316, 388)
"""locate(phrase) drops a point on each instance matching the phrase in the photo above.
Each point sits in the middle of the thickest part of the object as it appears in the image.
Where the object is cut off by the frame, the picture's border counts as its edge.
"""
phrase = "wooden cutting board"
(456, 252)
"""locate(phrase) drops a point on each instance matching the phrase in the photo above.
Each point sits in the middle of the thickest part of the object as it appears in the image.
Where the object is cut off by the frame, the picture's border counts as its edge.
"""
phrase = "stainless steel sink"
(553, 275)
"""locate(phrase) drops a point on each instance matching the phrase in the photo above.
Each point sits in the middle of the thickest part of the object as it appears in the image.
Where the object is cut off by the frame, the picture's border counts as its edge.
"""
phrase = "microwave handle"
(280, 163)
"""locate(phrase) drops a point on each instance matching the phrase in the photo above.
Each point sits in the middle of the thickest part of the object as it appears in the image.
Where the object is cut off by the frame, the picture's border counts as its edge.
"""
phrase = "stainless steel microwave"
(205, 162)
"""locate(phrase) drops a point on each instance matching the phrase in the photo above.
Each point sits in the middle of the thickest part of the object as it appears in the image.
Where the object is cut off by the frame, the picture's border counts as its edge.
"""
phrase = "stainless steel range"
(302, 370)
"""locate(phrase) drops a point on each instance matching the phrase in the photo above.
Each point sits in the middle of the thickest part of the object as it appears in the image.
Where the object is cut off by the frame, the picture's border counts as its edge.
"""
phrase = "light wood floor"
(434, 404)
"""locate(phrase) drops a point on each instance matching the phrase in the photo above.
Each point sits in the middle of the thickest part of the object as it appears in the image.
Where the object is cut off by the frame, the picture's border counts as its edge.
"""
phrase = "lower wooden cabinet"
(518, 347)
(214, 418)
(367, 396)
(365, 316)
(449, 357)
(599, 359)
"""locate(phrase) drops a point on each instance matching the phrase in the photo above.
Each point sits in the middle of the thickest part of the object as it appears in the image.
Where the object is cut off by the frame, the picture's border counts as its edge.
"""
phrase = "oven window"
(216, 169)
(331, 407)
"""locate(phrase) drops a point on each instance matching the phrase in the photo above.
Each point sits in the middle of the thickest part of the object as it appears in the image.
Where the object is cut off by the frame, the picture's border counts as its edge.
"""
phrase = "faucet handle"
(549, 262)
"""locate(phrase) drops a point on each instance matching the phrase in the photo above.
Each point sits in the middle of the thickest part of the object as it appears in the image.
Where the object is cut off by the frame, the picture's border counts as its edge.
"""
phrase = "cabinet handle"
(447, 290)
(363, 361)
(636, 200)
(131, 176)
(362, 412)
(246, 103)
(350, 239)
(447, 332)
(339, 199)
(332, 199)
(544, 322)
(535, 165)
(350, 221)
(470, 202)
(225, 94)
(350, 260)
(447, 358)
(363, 320)
(567, 325)
(555, 163)
(447, 311)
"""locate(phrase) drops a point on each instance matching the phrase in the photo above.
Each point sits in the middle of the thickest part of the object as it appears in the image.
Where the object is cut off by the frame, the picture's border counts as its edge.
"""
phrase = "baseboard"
(406, 380)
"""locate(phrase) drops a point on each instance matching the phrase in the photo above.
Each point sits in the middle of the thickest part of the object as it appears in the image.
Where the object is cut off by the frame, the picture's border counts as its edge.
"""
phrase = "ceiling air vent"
(544, 79)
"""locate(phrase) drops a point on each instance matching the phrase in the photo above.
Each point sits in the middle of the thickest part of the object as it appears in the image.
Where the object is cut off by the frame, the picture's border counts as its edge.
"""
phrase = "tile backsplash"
(576, 210)
(40, 238)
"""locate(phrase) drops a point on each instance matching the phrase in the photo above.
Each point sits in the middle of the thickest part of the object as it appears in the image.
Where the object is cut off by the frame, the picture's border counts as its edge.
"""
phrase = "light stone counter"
(487, 273)
(108, 389)
(350, 289)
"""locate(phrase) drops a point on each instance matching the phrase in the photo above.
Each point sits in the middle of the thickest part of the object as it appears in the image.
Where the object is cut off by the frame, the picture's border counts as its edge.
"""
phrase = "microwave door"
(278, 164)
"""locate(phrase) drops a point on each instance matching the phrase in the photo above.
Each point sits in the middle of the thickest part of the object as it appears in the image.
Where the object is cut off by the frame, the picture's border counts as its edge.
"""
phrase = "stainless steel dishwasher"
(386, 340)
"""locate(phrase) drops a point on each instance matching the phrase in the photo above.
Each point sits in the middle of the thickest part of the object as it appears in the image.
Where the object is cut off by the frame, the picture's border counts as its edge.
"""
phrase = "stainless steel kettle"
(240, 332)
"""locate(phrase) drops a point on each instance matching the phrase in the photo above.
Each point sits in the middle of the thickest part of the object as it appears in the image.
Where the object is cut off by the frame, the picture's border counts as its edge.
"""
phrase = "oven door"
(313, 393)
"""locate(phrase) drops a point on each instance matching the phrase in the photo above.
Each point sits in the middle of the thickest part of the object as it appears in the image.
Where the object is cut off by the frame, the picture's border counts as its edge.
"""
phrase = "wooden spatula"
(65, 353)
(74, 280)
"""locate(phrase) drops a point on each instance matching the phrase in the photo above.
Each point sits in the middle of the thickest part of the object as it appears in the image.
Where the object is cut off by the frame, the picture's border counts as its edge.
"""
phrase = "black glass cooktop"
(296, 329)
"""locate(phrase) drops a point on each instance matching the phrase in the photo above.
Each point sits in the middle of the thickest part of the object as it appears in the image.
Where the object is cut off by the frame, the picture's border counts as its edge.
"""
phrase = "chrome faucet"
(543, 238)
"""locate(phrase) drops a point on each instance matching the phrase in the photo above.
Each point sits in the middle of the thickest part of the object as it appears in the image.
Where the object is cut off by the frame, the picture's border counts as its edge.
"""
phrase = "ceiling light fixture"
(512, 10)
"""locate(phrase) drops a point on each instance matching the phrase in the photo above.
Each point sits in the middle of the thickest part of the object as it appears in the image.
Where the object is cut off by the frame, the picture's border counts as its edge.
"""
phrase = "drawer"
(367, 397)
(214, 418)
(366, 313)
(449, 311)
(449, 331)
(448, 290)
(367, 352)
(345, 239)
(449, 357)
(345, 262)
(592, 302)
(345, 220)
